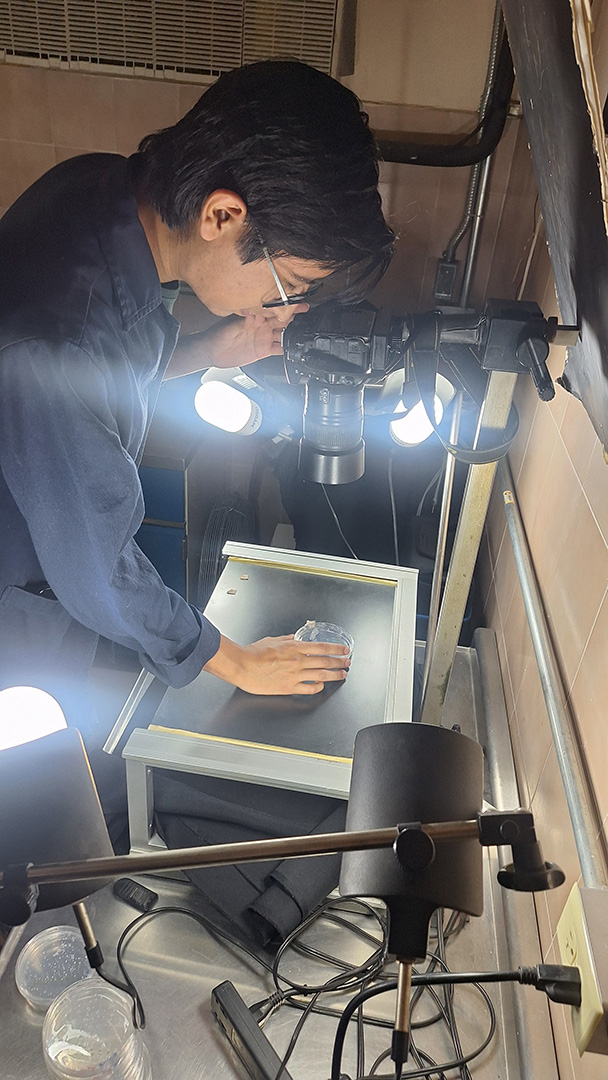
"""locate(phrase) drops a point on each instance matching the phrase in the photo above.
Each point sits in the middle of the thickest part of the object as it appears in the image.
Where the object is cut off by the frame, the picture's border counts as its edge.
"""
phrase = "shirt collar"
(126, 249)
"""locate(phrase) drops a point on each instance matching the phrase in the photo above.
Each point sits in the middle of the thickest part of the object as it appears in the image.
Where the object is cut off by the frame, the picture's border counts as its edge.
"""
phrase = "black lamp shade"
(406, 772)
(50, 812)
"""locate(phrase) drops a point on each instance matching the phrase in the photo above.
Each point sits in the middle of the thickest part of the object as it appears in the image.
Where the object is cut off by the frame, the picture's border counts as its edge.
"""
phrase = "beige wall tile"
(595, 483)
(22, 163)
(142, 106)
(589, 697)
(559, 405)
(505, 578)
(578, 586)
(82, 110)
(24, 111)
(484, 578)
(578, 433)
(496, 522)
(532, 477)
(532, 725)
(545, 931)
(554, 830)
(518, 643)
(418, 119)
(525, 795)
(409, 199)
(526, 402)
(63, 153)
(554, 501)
(189, 94)
(517, 224)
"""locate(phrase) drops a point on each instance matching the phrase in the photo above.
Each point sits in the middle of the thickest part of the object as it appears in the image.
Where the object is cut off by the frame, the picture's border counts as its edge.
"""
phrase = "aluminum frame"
(149, 748)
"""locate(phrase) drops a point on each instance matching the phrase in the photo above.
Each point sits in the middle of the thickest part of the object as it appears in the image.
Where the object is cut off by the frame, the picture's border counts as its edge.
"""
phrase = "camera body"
(335, 352)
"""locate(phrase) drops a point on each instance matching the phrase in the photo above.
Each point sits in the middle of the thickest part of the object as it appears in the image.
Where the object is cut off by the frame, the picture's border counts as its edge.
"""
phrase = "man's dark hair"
(297, 148)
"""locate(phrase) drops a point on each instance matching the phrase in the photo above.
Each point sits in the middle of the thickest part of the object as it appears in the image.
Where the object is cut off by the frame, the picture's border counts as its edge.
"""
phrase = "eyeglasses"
(285, 300)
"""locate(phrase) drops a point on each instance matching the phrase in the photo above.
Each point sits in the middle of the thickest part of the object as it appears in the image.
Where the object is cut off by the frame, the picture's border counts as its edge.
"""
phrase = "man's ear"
(223, 213)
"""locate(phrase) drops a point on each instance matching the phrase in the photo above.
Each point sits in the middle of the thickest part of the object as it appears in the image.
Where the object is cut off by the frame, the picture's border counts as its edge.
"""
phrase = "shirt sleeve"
(78, 489)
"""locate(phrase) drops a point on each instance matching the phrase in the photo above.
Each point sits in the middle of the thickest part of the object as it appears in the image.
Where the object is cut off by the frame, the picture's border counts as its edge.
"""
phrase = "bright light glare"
(414, 426)
(228, 408)
(27, 713)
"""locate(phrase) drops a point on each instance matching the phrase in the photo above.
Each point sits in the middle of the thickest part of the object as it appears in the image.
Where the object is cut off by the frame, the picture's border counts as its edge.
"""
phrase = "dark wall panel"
(565, 163)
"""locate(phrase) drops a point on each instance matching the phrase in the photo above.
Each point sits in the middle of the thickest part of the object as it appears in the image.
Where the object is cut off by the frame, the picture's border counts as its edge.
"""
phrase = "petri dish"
(88, 1034)
(49, 963)
(325, 631)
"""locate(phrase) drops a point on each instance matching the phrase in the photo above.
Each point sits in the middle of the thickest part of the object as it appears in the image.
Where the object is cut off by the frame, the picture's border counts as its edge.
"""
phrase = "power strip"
(249, 1041)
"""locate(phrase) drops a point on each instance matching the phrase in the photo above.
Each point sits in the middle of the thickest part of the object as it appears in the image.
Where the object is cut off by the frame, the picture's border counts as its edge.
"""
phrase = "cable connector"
(560, 983)
(260, 1009)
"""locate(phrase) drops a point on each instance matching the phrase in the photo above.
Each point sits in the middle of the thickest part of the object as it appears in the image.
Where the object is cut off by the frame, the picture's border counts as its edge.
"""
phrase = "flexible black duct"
(461, 154)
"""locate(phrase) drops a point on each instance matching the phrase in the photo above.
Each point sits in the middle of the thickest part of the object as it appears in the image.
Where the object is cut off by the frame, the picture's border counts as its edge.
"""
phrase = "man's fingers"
(326, 663)
(309, 688)
(322, 648)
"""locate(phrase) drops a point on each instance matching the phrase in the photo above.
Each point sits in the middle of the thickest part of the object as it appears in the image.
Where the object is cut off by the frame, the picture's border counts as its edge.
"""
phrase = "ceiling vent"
(176, 39)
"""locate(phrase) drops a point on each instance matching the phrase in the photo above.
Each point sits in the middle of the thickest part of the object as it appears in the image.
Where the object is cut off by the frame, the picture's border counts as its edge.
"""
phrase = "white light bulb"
(413, 427)
(27, 713)
(226, 407)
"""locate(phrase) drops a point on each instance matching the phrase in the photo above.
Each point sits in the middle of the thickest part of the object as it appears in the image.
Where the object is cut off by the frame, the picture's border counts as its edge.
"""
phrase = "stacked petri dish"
(49, 963)
(88, 1034)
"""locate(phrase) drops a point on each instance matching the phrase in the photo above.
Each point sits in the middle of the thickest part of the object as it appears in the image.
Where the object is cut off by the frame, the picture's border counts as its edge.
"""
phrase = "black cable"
(360, 1042)
(339, 527)
(128, 987)
(139, 1017)
(373, 991)
(461, 154)
(449, 998)
(349, 978)
(295, 1035)
(391, 489)
(356, 975)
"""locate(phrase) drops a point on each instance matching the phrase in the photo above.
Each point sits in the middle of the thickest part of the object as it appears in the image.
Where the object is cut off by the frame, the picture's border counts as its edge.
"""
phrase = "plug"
(581, 935)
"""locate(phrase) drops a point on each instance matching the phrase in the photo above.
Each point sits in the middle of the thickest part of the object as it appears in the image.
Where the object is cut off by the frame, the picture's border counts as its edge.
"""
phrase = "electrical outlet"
(583, 943)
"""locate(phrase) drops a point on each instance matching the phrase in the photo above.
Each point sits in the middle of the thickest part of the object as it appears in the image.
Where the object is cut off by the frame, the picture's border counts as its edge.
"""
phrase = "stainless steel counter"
(175, 964)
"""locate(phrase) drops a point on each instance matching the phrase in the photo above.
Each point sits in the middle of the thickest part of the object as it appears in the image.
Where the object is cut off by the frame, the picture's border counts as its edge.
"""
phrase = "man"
(264, 189)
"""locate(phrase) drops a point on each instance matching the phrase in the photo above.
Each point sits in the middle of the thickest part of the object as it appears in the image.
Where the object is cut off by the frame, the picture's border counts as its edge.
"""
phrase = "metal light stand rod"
(442, 536)
(250, 851)
(494, 415)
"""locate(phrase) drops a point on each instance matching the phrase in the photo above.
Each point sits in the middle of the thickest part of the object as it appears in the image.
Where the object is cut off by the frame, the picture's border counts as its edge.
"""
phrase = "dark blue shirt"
(84, 341)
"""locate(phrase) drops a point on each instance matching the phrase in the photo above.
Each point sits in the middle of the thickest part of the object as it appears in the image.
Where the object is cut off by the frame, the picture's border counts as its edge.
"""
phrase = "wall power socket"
(582, 935)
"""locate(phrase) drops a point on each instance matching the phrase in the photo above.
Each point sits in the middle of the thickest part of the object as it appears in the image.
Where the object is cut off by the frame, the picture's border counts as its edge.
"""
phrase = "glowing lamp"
(27, 713)
(223, 400)
(412, 425)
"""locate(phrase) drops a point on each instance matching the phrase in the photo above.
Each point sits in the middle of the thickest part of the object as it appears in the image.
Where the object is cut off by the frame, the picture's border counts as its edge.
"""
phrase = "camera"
(336, 352)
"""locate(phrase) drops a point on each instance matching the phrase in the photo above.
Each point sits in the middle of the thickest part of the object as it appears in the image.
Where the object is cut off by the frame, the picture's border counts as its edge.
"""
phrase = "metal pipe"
(497, 29)
(247, 851)
(454, 241)
(478, 215)
(579, 795)
(446, 501)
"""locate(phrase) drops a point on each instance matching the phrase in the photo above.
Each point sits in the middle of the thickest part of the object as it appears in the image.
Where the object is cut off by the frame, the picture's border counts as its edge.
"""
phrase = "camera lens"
(332, 450)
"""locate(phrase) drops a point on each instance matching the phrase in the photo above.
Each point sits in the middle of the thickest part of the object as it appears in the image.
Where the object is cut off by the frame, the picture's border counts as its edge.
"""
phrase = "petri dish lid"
(326, 632)
(49, 963)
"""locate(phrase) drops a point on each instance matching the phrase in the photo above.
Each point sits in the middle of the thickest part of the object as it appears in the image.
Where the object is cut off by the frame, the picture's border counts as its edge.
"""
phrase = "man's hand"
(232, 342)
(237, 341)
(279, 665)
